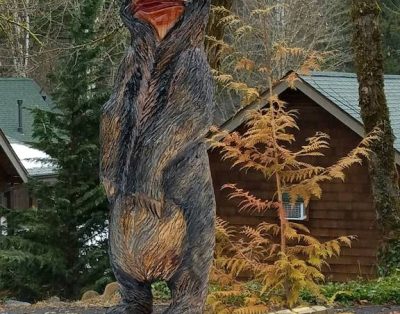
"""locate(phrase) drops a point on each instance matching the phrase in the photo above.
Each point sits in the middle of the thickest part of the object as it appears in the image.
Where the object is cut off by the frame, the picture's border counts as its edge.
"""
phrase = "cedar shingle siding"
(345, 208)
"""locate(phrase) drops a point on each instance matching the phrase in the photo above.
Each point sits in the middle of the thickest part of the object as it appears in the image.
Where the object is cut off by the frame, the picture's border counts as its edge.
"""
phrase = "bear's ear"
(162, 15)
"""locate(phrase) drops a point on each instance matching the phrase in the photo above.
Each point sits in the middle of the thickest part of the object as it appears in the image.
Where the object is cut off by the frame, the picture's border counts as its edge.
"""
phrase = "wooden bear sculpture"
(155, 167)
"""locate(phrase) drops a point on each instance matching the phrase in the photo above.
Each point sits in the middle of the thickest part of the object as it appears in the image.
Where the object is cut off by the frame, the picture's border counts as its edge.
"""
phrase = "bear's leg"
(188, 293)
(189, 185)
(136, 298)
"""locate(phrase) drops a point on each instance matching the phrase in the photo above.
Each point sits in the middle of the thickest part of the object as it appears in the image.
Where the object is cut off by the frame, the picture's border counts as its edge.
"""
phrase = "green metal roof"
(32, 96)
(342, 90)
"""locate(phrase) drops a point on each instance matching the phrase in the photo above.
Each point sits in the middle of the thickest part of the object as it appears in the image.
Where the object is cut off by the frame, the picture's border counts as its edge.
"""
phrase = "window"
(296, 211)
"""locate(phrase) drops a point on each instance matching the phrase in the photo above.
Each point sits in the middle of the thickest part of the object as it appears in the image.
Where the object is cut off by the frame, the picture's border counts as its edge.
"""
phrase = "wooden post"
(155, 166)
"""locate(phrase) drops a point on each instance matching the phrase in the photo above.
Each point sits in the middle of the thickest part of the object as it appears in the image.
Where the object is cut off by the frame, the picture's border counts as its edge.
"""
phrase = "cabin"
(18, 161)
(326, 102)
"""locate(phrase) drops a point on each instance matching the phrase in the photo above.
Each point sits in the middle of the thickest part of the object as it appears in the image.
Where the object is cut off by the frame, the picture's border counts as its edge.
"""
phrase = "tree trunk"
(374, 112)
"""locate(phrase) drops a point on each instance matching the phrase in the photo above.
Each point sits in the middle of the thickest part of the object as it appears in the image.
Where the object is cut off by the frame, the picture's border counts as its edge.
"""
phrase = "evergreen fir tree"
(30, 260)
(60, 247)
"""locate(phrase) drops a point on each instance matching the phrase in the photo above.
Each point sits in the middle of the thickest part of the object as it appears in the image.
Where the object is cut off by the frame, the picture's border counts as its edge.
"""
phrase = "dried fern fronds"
(284, 257)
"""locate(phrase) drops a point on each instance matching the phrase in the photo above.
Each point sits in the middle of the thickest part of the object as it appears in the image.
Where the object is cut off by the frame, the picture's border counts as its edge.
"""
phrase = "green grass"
(385, 290)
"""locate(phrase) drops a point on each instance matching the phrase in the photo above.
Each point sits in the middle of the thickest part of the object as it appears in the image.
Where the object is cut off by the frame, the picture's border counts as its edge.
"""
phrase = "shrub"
(384, 290)
(161, 291)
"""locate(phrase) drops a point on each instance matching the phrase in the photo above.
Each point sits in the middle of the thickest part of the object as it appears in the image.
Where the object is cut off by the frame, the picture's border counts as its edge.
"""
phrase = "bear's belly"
(148, 247)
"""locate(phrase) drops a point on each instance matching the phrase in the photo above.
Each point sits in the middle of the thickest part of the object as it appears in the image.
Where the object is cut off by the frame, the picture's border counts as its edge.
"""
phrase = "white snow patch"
(29, 156)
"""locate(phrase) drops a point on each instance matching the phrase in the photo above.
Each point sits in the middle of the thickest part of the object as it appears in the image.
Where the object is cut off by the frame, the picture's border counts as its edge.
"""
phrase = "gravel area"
(375, 309)
(62, 310)
(159, 309)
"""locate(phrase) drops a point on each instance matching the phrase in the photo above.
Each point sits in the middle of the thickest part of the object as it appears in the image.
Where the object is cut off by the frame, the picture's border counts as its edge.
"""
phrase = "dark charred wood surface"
(155, 167)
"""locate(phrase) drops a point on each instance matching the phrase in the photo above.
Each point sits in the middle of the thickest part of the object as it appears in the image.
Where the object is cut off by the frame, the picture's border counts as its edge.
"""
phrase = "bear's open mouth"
(161, 14)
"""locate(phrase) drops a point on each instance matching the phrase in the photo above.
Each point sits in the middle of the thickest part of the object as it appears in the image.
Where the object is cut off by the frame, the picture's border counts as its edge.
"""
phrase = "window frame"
(303, 208)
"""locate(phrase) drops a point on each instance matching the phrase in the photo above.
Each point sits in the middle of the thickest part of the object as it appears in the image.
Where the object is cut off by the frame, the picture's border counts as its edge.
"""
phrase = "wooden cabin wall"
(14, 194)
(3, 181)
(20, 197)
(345, 208)
(15, 197)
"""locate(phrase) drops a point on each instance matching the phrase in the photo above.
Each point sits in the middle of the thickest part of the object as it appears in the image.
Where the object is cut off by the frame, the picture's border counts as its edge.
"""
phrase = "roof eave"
(45, 177)
(240, 117)
(336, 111)
(12, 156)
(313, 94)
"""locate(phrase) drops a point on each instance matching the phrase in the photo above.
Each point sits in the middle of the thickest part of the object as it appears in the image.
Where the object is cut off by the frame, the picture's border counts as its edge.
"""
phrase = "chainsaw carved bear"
(154, 163)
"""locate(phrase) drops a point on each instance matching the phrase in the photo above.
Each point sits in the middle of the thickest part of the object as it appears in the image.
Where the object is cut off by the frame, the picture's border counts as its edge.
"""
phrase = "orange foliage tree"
(284, 257)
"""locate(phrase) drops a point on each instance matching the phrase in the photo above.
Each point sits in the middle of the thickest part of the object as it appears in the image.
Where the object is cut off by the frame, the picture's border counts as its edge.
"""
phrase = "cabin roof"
(24, 161)
(36, 162)
(342, 90)
(32, 96)
(337, 93)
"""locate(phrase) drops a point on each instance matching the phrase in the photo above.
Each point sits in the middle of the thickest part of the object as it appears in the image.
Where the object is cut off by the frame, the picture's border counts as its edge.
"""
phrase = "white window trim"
(303, 215)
